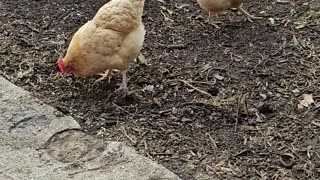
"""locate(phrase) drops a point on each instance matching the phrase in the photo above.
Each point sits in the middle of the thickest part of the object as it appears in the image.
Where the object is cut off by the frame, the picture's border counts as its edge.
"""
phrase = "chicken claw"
(213, 23)
(108, 74)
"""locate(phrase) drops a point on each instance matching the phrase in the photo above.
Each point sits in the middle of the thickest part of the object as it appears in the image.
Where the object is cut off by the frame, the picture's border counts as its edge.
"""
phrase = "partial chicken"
(111, 40)
(214, 6)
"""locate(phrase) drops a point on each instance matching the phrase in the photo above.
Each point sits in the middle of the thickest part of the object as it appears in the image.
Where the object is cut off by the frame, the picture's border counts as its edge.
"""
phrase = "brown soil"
(222, 104)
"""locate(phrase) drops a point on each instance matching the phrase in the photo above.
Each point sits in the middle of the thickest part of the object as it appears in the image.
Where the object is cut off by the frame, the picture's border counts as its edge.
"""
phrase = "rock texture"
(39, 142)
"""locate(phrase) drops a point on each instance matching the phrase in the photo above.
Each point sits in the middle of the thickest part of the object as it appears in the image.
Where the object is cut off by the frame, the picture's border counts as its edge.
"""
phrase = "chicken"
(111, 40)
(214, 6)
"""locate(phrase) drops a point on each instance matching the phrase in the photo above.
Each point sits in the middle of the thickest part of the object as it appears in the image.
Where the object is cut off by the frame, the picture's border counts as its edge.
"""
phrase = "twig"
(5, 75)
(125, 133)
(285, 163)
(176, 46)
(238, 112)
(141, 138)
(207, 83)
(295, 153)
(242, 98)
(146, 149)
(201, 103)
(28, 25)
(246, 104)
(195, 88)
(282, 1)
(259, 119)
(159, 154)
(120, 108)
(214, 144)
(165, 17)
(241, 152)
(316, 124)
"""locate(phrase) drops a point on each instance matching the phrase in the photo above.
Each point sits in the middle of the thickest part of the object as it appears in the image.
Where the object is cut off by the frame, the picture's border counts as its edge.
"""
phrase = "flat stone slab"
(38, 142)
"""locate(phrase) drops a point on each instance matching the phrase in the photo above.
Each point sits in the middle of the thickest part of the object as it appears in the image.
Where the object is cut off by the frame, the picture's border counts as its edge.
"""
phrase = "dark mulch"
(223, 103)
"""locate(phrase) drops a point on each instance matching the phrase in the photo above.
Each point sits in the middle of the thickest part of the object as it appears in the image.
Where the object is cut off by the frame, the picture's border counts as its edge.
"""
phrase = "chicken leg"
(123, 87)
(248, 15)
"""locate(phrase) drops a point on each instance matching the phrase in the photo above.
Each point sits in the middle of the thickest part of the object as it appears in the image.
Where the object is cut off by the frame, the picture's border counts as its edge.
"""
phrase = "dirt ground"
(241, 101)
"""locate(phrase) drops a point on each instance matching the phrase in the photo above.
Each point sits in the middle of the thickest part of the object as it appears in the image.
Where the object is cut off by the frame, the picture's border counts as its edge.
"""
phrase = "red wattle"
(60, 65)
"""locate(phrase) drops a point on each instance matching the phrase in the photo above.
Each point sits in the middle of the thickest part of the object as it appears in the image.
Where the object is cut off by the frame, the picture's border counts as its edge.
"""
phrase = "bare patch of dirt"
(223, 103)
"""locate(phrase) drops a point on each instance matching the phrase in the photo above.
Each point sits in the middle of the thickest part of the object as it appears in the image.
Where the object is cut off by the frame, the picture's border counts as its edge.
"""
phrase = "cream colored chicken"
(214, 6)
(111, 40)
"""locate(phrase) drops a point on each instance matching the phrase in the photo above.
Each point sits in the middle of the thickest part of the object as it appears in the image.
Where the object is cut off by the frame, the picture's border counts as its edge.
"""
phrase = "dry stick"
(214, 144)
(211, 83)
(165, 17)
(5, 75)
(238, 112)
(316, 124)
(120, 108)
(195, 88)
(146, 148)
(295, 152)
(241, 152)
(246, 104)
(241, 98)
(141, 138)
(207, 83)
(125, 133)
(176, 46)
(164, 154)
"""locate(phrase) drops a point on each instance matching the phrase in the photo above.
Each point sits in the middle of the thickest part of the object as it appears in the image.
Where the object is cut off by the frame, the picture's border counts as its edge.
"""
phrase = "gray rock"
(38, 142)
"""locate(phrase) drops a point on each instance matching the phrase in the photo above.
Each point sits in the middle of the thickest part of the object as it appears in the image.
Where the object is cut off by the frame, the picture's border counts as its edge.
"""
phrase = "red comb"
(60, 65)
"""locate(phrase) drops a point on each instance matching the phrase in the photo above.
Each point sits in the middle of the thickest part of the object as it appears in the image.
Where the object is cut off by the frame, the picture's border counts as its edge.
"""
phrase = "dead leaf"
(316, 49)
(149, 88)
(296, 91)
(264, 97)
(142, 59)
(206, 68)
(300, 26)
(174, 110)
(247, 128)
(218, 77)
(156, 100)
(182, 6)
(306, 102)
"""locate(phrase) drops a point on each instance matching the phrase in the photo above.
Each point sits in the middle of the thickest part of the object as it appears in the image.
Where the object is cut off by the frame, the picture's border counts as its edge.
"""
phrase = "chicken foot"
(248, 15)
(213, 23)
(107, 74)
